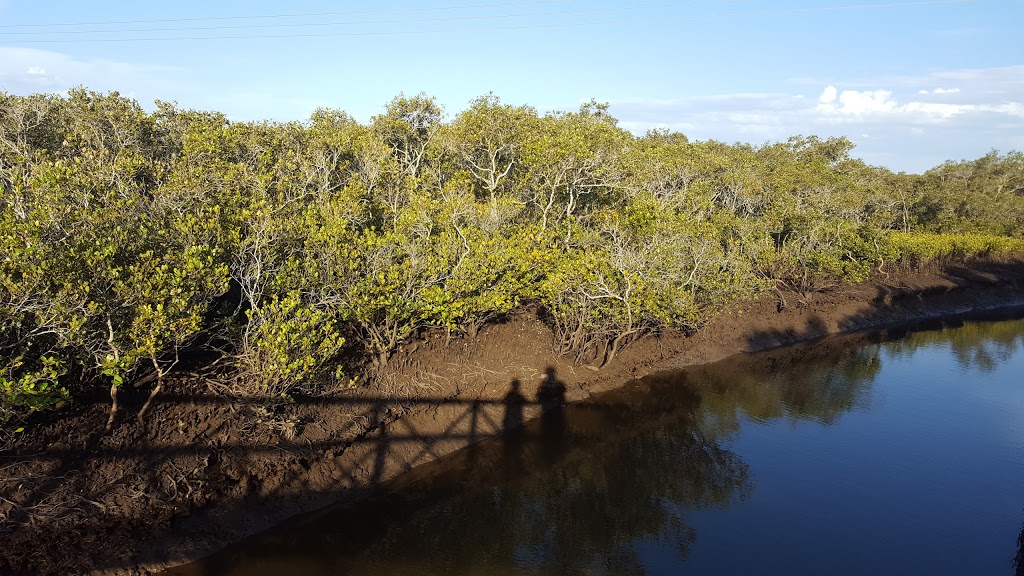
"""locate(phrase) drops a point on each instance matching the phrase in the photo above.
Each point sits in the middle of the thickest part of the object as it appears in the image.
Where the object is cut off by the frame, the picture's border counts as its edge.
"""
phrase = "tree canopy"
(307, 251)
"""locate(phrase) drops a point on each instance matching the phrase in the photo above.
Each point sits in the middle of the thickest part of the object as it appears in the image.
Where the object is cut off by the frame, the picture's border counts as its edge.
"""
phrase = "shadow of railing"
(59, 497)
(582, 483)
(478, 413)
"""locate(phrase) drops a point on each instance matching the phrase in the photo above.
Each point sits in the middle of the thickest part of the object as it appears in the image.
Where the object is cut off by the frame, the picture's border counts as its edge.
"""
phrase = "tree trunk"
(113, 408)
(156, 390)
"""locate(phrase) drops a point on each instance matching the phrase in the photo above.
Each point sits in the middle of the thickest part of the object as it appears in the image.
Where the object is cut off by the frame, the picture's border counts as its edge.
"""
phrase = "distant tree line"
(308, 252)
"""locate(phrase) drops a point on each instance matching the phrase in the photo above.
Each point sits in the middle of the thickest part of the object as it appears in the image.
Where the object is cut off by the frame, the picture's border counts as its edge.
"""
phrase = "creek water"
(888, 453)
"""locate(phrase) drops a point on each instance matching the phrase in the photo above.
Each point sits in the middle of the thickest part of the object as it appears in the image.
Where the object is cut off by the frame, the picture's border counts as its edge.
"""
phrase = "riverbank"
(205, 470)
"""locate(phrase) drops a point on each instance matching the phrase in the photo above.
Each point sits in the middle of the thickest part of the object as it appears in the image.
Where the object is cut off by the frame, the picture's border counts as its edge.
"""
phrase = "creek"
(899, 452)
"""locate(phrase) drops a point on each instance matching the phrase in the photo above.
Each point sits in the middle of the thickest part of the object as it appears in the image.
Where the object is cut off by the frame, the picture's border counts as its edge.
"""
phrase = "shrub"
(921, 248)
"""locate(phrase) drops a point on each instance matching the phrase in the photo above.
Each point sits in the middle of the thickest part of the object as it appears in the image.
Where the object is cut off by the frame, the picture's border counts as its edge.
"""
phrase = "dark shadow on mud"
(895, 311)
(55, 511)
(376, 489)
(566, 495)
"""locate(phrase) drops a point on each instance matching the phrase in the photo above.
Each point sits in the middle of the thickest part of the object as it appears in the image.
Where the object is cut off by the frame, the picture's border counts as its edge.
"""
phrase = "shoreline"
(208, 477)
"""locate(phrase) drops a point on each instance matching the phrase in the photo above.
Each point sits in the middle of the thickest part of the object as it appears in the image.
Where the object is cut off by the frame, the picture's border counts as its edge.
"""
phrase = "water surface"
(868, 454)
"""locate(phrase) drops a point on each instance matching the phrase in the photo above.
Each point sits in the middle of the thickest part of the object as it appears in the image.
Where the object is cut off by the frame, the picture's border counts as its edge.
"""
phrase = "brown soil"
(205, 470)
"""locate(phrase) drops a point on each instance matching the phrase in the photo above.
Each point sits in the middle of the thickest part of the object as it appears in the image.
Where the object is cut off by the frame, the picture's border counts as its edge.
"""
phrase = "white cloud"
(29, 70)
(880, 103)
(858, 106)
(852, 102)
(828, 95)
(1008, 108)
(912, 125)
(934, 111)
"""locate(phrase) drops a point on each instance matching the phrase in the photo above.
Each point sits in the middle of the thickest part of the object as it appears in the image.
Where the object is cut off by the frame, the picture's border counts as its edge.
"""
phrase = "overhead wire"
(374, 22)
(296, 14)
(690, 17)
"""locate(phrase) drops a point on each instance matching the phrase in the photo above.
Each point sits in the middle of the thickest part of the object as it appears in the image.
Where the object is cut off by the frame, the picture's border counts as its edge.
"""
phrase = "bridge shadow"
(55, 501)
(629, 468)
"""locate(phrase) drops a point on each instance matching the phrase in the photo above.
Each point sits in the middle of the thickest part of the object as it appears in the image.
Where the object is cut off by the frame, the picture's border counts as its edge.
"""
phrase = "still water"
(867, 454)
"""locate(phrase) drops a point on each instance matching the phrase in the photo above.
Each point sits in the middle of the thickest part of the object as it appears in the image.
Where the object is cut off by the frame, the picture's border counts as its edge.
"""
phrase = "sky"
(911, 83)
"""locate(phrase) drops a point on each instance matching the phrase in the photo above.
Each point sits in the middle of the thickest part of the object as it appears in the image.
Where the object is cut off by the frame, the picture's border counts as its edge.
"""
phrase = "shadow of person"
(513, 433)
(551, 397)
(551, 394)
(514, 402)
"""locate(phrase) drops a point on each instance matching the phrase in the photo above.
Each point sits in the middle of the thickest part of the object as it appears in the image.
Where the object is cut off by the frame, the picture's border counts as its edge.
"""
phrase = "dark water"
(878, 454)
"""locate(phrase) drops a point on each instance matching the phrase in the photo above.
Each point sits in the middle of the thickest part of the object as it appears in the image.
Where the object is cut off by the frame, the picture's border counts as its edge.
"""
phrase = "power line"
(293, 15)
(370, 22)
(513, 28)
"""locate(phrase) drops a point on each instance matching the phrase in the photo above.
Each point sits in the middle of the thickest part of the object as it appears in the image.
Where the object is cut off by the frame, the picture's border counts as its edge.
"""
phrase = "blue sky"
(911, 83)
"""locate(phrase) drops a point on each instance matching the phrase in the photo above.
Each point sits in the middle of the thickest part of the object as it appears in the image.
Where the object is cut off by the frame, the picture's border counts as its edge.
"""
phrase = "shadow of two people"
(551, 399)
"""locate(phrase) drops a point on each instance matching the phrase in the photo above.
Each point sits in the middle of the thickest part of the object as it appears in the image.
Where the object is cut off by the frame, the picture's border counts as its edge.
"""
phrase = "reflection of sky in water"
(838, 457)
(991, 352)
(930, 480)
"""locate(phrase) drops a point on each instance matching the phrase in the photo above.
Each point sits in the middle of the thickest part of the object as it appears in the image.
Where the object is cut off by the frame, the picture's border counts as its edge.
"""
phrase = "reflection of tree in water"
(629, 474)
(816, 382)
(980, 345)
(631, 468)
(576, 495)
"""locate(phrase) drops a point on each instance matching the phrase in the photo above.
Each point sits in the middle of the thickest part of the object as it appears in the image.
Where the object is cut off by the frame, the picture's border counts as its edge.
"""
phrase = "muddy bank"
(205, 470)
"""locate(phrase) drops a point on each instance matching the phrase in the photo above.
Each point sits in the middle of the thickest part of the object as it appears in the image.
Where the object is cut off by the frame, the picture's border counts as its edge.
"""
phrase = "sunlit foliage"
(307, 253)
